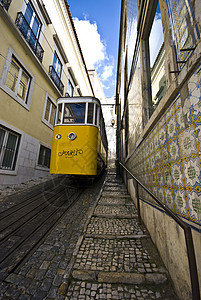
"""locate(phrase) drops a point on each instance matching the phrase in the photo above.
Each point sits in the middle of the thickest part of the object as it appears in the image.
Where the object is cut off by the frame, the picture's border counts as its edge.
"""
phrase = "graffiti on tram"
(70, 153)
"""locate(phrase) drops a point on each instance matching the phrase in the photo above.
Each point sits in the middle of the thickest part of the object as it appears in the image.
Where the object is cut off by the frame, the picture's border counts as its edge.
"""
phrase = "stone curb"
(122, 278)
(115, 216)
(115, 196)
(121, 237)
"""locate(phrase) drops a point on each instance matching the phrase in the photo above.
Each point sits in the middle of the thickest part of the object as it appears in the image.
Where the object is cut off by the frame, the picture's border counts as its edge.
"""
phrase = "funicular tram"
(79, 144)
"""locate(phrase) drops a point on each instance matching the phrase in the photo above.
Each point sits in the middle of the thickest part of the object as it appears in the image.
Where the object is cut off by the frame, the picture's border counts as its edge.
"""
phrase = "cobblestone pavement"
(97, 251)
(115, 257)
(46, 273)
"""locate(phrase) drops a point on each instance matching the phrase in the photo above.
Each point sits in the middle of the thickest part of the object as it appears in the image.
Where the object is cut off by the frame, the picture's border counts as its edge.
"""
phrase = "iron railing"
(53, 74)
(5, 3)
(187, 232)
(30, 37)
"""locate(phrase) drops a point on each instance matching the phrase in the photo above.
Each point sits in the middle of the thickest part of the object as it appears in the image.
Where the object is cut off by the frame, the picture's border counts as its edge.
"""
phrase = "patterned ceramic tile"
(195, 206)
(168, 162)
(174, 150)
(177, 176)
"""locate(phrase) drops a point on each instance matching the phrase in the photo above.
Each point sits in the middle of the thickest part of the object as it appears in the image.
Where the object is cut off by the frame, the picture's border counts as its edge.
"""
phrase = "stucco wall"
(27, 161)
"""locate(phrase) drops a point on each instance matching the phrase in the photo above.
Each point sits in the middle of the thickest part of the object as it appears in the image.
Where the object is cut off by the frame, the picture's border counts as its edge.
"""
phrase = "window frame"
(53, 103)
(13, 167)
(82, 117)
(39, 15)
(57, 52)
(72, 83)
(42, 166)
(58, 63)
(33, 17)
(26, 104)
(96, 111)
(19, 81)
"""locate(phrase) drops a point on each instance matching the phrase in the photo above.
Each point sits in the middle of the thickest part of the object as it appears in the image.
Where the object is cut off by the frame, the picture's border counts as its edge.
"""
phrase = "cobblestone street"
(97, 251)
(115, 257)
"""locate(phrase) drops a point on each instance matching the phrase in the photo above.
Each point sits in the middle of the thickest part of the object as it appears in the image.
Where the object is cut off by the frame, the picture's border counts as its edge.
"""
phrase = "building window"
(55, 71)
(70, 89)
(30, 26)
(57, 65)
(71, 86)
(49, 112)
(156, 72)
(32, 19)
(9, 144)
(44, 157)
(18, 80)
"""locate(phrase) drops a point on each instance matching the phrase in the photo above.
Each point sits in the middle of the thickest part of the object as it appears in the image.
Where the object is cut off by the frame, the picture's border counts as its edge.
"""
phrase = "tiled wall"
(169, 160)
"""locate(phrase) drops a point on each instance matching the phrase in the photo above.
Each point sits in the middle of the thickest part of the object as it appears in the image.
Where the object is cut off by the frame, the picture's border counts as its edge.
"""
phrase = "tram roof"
(82, 99)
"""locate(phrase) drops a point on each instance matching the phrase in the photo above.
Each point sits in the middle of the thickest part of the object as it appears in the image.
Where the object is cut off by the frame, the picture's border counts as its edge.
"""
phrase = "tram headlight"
(72, 136)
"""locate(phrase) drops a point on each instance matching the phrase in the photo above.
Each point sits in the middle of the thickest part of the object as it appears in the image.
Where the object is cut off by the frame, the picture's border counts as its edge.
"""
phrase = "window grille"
(9, 145)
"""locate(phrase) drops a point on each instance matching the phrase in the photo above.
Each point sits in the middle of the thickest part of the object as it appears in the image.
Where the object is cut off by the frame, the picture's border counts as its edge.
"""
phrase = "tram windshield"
(78, 113)
(74, 113)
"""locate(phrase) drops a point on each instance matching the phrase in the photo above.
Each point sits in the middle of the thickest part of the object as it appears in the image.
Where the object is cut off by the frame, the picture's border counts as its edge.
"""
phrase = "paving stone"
(39, 295)
(114, 254)
(46, 284)
(31, 273)
(24, 297)
(111, 210)
(117, 291)
(52, 292)
(34, 286)
(114, 226)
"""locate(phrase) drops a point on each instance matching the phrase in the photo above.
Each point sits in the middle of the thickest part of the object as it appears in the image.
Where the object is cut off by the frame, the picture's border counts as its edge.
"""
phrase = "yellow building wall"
(14, 113)
(14, 8)
(27, 120)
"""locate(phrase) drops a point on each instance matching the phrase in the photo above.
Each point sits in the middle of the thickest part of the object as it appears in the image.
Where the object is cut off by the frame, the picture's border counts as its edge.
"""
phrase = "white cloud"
(107, 72)
(95, 54)
(93, 47)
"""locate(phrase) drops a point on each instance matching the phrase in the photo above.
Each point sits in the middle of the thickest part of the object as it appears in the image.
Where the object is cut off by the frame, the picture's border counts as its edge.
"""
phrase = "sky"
(97, 24)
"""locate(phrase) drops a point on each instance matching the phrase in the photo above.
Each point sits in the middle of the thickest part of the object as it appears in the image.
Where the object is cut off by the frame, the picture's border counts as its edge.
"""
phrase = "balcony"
(30, 37)
(56, 79)
(5, 3)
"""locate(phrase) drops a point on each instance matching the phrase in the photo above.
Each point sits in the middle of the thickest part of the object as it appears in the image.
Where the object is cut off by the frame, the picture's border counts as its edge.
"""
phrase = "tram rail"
(25, 225)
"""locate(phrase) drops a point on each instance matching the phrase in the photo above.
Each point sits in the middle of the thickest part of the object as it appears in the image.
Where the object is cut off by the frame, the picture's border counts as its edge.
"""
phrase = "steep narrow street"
(115, 257)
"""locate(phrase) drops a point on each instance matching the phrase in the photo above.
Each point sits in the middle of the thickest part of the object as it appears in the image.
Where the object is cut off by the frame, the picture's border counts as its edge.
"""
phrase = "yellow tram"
(79, 145)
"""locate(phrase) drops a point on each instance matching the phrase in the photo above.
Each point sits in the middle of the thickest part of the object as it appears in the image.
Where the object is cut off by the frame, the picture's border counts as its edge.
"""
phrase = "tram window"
(96, 116)
(100, 121)
(90, 113)
(74, 113)
(59, 113)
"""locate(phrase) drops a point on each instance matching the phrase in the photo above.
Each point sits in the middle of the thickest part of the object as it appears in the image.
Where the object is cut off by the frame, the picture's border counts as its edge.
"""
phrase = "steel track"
(25, 225)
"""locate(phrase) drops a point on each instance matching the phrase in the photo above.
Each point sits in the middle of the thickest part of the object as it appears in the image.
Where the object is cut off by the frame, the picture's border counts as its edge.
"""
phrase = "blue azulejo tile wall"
(169, 160)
